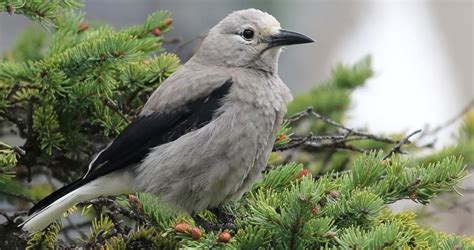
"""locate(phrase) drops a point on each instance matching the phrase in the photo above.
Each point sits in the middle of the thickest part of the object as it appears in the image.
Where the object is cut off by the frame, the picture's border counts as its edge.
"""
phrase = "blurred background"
(422, 54)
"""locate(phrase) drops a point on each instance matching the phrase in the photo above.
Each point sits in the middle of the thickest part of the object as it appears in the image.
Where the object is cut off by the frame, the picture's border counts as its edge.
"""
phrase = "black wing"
(145, 133)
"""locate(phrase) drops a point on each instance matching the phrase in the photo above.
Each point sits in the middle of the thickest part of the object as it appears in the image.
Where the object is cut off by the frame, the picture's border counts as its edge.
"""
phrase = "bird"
(205, 134)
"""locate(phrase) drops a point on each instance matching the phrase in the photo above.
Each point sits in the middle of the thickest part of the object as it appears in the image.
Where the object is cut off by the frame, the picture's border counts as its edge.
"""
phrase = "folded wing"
(145, 133)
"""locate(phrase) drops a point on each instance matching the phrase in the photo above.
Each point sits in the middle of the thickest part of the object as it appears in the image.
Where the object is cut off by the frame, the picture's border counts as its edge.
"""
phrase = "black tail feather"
(57, 194)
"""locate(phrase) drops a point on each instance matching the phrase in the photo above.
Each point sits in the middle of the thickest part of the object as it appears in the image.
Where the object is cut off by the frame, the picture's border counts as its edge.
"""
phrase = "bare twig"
(186, 43)
(77, 227)
(333, 141)
(109, 103)
(113, 206)
(294, 141)
(12, 92)
(463, 204)
(350, 131)
(172, 40)
(19, 123)
(448, 122)
(397, 148)
(334, 145)
(74, 226)
(5, 215)
(11, 219)
(18, 196)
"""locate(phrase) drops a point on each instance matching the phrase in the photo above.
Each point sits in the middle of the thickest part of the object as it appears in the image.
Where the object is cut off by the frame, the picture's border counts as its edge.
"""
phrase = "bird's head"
(247, 38)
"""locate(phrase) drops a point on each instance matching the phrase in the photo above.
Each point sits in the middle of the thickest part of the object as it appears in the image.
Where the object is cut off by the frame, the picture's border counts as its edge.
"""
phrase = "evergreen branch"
(46, 12)
(297, 226)
(13, 73)
(110, 47)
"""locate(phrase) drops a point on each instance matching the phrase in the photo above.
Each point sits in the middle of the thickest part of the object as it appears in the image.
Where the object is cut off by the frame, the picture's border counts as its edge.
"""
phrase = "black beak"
(285, 37)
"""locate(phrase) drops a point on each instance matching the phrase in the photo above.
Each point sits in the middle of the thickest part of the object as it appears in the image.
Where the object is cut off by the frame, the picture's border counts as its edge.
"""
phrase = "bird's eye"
(248, 34)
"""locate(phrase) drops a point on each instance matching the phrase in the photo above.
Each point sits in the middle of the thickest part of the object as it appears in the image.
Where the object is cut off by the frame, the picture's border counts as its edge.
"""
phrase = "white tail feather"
(111, 184)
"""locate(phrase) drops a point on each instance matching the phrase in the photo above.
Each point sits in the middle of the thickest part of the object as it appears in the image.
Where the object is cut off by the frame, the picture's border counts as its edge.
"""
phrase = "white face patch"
(273, 30)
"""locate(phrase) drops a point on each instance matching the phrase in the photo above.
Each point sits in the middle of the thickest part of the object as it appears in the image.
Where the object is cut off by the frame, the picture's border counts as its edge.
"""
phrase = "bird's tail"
(56, 204)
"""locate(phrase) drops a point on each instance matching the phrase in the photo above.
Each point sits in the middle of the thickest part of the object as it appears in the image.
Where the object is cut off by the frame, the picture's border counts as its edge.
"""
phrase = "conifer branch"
(46, 12)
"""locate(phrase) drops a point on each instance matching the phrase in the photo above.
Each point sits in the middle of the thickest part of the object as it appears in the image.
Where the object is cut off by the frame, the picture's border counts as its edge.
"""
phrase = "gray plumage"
(204, 159)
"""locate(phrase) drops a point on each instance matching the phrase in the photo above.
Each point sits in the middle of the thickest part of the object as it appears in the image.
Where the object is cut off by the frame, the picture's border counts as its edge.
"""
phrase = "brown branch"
(18, 196)
(448, 122)
(398, 147)
(294, 141)
(172, 40)
(14, 89)
(335, 141)
(19, 123)
(113, 206)
(11, 219)
(350, 131)
(109, 103)
(186, 43)
(335, 145)
(5, 215)
(75, 227)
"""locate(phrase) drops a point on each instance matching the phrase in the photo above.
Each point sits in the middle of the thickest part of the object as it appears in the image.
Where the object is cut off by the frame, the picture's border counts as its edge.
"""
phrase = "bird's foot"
(225, 221)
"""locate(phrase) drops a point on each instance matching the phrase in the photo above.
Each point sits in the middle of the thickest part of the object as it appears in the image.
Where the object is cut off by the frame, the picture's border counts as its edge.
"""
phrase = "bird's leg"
(225, 220)
(207, 225)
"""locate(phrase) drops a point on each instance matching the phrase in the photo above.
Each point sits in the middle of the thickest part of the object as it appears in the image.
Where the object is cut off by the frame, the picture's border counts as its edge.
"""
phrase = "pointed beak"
(286, 37)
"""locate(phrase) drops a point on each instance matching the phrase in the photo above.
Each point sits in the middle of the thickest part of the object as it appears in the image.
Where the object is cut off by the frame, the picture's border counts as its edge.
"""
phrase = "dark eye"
(248, 34)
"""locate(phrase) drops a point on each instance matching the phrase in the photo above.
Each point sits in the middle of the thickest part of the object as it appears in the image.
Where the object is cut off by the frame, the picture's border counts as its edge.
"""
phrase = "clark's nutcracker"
(205, 134)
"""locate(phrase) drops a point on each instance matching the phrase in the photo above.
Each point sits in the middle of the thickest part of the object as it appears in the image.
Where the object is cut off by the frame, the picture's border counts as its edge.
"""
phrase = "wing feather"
(157, 128)
(145, 133)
